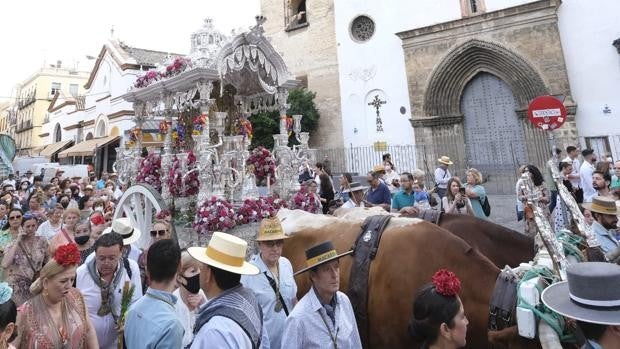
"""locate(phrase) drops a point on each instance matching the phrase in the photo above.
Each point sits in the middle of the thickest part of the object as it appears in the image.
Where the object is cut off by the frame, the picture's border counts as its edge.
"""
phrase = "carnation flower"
(67, 255)
(446, 283)
(263, 164)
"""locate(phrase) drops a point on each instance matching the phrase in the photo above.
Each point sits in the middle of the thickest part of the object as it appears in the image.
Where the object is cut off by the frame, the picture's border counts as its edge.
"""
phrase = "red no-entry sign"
(546, 112)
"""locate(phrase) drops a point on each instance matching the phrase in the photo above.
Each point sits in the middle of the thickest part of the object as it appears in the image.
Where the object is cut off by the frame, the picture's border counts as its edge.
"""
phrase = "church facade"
(454, 77)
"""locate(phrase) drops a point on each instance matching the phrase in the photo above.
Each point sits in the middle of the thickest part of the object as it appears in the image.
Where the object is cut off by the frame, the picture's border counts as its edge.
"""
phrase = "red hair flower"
(67, 255)
(97, 219)
(446, 283)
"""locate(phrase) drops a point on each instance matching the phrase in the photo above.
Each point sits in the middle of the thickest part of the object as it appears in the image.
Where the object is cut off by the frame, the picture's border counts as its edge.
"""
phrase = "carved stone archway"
(448, 80)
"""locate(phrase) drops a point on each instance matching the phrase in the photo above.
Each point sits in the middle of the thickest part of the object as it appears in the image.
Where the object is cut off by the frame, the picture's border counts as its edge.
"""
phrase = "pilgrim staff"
(324, 317)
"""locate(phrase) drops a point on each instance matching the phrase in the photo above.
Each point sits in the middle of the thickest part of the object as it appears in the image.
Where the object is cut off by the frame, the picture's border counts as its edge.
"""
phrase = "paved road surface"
(503, 212)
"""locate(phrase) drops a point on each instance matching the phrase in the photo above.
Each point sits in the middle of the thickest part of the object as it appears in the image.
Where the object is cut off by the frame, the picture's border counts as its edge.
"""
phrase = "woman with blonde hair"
(190, 296)
(475, 192)
(56, 315)
(71, 217)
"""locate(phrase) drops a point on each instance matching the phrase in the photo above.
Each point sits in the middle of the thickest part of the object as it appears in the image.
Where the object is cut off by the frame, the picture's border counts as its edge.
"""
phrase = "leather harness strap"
(503, 301)
(365, 250)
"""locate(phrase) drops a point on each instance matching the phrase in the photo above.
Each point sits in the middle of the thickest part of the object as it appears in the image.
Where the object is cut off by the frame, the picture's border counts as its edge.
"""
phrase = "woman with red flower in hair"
(56, 316)
(439, 320)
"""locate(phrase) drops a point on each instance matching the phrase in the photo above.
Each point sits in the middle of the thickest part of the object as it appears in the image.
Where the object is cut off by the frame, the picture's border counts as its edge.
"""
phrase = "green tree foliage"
(265, 125)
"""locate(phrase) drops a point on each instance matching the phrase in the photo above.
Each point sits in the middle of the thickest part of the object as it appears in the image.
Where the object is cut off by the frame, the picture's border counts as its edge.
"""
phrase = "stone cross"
(377, 103)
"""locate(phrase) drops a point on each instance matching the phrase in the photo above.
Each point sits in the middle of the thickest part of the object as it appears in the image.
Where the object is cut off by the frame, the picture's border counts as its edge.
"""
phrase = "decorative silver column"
(166, 155)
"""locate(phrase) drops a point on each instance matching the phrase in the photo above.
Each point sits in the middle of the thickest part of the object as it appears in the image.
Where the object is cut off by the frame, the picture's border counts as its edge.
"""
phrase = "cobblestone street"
(503, 211)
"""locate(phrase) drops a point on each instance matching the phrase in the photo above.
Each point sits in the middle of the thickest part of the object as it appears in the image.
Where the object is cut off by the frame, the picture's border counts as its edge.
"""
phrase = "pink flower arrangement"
(150, 77)
(264, 165)
(180, 187)
(254, 210)
(306, 201)
(150, 171)
(179, 65)
(214, 215)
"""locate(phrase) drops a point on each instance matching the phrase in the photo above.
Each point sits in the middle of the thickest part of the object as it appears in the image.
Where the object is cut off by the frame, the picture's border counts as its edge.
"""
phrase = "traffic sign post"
(547, 113)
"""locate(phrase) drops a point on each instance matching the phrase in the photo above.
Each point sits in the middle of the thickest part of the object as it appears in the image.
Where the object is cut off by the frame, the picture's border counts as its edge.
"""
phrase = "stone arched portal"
(449, 78)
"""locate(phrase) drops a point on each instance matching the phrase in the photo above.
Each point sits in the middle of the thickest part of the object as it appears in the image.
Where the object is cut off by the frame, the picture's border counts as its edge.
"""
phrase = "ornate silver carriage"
(203, 98)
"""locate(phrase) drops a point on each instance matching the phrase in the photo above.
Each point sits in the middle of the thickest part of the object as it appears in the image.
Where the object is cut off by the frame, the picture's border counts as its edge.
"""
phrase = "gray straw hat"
(591, 294)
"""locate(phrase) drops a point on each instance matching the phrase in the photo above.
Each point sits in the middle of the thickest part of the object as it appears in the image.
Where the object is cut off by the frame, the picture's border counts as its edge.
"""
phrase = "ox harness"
(365, 250)
(503, 301)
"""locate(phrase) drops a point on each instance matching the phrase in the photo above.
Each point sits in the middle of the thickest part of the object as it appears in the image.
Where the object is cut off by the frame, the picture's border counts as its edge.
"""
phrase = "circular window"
(362, 28)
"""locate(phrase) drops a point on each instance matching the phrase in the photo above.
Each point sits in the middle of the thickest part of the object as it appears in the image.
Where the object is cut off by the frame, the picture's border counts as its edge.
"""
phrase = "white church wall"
(376, 64)
(587, 31)
(494, 5)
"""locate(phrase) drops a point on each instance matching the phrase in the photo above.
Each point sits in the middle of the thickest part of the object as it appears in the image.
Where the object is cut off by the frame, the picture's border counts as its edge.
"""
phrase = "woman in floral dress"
(9, 233)
(56, 316)
(24, 258)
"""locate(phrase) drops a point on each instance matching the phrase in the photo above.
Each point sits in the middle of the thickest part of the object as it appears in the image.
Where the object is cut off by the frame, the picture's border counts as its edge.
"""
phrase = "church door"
(494, 138)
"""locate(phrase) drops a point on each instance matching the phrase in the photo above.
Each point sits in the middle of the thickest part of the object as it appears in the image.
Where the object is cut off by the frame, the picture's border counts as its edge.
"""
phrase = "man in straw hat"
(131, 235)
(605, 215)
(442, 176)
(274, 286)
(378, 194)
(232, 318)
(356, 195)
(592, 297)
(324, 317)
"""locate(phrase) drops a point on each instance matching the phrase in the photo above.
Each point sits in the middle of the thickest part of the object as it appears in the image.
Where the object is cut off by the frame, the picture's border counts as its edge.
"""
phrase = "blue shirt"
(273, 321)
(402, 199)
(476, 203)
(604, 237)
(378, 196)
(152, 322)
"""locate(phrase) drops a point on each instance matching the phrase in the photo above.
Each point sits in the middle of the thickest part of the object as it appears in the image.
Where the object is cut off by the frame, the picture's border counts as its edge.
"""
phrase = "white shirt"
(187, 317)
(389, 178)
(305, 328)
(575, 182)
(585, 173)
(273, 321)
(47, 231)
(223, 333)
(442, 177)
(105, 326)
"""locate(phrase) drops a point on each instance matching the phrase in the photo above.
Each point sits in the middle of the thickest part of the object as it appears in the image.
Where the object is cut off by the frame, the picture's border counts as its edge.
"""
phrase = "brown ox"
(501, 245)
(410, 252)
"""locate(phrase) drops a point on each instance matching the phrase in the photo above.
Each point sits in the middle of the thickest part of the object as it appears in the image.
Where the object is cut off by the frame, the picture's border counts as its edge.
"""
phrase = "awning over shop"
(52, 149)
(37, 150)
(88, 147)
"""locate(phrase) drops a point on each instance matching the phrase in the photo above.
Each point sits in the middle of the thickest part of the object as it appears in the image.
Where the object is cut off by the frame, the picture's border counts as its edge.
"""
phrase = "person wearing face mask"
(190, 296)
(23, 191)
(84, 240)
(274, 286)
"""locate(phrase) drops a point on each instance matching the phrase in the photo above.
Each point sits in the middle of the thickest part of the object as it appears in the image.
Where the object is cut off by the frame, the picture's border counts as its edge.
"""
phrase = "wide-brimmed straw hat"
(378, 168)
(321, 254)
(355, 186)
(123, 226)
(226, 252)
(270, 229)
(591, 294)
(445, 160)
(602, 204)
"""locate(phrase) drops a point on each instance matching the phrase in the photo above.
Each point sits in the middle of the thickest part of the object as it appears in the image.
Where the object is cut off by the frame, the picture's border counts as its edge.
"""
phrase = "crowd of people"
(74, 277)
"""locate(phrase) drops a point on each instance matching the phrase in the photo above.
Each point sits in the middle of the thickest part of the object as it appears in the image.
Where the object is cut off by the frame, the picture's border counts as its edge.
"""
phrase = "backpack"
(486, 207)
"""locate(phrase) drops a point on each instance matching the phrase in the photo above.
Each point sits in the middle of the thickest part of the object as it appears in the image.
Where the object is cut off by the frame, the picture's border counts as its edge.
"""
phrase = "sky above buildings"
(34, 33)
